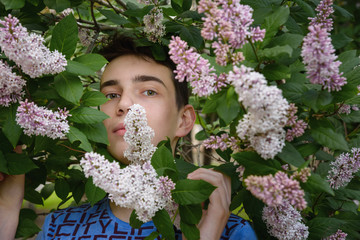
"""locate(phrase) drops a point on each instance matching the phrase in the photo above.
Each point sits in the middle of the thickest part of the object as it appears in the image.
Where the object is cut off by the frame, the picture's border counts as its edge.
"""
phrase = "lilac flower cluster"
(138, 135)
(284, 222)
(266, 114)
(192, 68)
(302, 175)
(346, 108)
(297, 126)
(343, 168)
(339, 235)
(275, 190)
(11, 85)
(135, 186)
(28, 50)
(317, 52)
(37, 120)
(154, 28)
(229, 22)
(221, 142)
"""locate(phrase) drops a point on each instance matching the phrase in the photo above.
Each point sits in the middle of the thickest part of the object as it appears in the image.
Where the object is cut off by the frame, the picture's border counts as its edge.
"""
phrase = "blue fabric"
(98, 222)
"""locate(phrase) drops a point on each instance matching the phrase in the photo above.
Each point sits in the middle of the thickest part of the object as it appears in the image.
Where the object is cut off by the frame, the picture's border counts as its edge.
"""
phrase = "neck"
(121, 212)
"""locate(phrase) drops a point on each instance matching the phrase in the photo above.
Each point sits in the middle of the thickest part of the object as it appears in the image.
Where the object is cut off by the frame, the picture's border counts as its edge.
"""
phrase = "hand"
(214, 219)
(11, 197)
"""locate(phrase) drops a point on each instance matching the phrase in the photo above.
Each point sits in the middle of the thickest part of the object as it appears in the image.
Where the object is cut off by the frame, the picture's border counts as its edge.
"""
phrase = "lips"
(119, 129)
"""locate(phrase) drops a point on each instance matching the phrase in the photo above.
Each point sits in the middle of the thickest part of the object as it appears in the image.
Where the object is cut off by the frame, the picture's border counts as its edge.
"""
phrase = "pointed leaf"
(87, 115)
(10, 128)
(329, 138)
(69, 87)
(93, 193)
(76, 135)
(192, 191)
(164, 225)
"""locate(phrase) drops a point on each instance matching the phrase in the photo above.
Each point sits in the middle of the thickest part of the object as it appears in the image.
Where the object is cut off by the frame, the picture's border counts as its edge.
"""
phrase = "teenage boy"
(133, 76)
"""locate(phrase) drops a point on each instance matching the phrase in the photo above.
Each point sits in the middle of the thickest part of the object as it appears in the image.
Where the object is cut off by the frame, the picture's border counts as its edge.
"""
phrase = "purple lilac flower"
(154, 28)
(263, 123)
(339, 235)
(343, 168)
(322, 18)
(275, 190)
(41, 121)
(11, 85)
(221, 142)
(297, 127)
(228, 23)
(28, 50)
(192, 68)
(284, 222)
(138, 136)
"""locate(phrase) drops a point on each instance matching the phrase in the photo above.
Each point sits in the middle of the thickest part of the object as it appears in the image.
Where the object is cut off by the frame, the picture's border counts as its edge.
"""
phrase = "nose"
(124, 104)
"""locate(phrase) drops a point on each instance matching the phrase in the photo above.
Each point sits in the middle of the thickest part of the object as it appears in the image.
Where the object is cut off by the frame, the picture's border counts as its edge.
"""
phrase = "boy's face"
(128, 80)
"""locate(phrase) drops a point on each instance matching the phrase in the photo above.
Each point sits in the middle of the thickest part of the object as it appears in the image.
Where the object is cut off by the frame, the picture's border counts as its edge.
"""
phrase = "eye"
(112, 95)
(150, 93)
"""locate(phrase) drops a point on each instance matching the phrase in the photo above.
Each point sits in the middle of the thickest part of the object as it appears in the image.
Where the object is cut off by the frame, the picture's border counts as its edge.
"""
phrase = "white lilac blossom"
(28, 50)
(11, 85)
(154, 28)
(284, 222)
(266, 115)
(193, 68)
(35, 120)
(138, 136)
(318, 53)
(276, 190)
(339, 235)
(228, 23)
(135, 186)
(343, 168)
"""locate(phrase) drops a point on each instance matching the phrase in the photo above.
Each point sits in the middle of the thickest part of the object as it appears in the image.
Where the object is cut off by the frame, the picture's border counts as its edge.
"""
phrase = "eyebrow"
(137, 78)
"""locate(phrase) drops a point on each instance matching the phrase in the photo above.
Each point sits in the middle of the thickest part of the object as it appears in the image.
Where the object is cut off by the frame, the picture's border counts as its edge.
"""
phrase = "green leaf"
(227, 109)
(329, 138)
(163, 162)
(87, 115)
(32, 195)
(306, 7)
(273, 22)
(349, 90)
(62, 188)
(354, 117)
(255, 165)
(79, 69)
(290, 155)
(19, 163)
(293, 91)
(92, 60)
(113, 17)
(192, 36)
(163, 224)
(134, 11)
(316, 184)
(190, 214)
(152, 236)
(192, 191)
(134, 221)
(76, 135)
(340, 40)
(186, 5)
(276, 51)
(58, 5)
(349, 60)
(274, 72)
(290, 39)
(320, 227)
(93, 98)
(26, 228)
(238, 199)
(13, 4)
(69, 87)
(184, 168)
(47, 190)
(93, 193)
(176, 5)
(78, 191)
(190, 231)
(95, 132)
(317, 100)
(65, 36)
(10, 128)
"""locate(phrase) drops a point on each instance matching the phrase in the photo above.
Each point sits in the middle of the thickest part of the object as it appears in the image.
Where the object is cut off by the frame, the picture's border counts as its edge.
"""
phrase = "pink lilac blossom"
(339, 235)
(284, 222)
(154, 28)
(221, 142)
(11, 85)
(322, 18)
(346, 109)
(302, 175)
(192, 68)
(135, 186)
(28, 50)
(229, 24)
(240, 170)
(37, 120)
(297, 126)
(263, 123)
(275, 190)
(138, 136)
(343, 168)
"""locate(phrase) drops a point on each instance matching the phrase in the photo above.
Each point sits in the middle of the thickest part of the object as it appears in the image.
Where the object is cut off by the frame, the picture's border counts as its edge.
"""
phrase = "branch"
(103, 3)
(123, 5)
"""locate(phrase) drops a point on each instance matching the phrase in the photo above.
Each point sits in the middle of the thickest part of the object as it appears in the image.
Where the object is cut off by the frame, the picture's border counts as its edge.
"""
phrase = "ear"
(186, 120)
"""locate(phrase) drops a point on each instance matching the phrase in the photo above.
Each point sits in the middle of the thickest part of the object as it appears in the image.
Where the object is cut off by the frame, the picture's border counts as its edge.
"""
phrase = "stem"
(103, 3)
(93, 16)
(316, 201)
(123, 5)
(355, 130)
(75, 150)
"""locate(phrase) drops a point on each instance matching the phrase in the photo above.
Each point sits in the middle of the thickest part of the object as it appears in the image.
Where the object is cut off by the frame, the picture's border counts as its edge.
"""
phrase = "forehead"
(128, 67)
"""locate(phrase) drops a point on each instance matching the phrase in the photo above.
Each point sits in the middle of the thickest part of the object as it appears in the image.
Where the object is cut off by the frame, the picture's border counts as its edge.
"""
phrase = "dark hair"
(120, 45)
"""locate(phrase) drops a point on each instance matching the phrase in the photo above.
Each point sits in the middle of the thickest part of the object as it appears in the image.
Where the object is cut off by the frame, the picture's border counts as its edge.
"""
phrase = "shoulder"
(238, 228)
